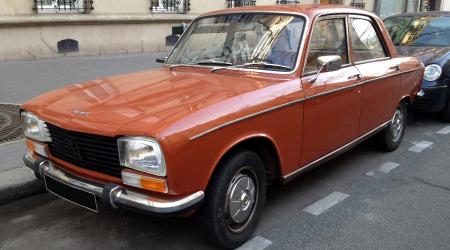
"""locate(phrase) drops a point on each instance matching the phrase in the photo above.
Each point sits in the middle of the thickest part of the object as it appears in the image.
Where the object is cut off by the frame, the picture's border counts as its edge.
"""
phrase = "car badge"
(78, 112)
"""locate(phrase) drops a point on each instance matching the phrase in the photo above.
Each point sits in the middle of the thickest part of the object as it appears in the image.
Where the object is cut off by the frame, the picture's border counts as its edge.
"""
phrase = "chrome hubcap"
(241, 198)
(397, 125)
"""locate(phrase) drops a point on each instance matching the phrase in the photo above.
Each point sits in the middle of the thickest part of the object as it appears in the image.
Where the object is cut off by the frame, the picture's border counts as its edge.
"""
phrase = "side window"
(328, 38)
(365, 41)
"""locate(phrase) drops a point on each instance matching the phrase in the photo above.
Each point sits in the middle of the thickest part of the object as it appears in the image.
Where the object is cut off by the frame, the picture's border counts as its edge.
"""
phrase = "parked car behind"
(426, 36)
(249, 96)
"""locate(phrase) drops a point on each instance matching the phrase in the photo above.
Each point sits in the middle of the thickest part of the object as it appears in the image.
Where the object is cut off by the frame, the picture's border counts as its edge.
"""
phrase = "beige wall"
(93, 39)
(15, 7)
(446, 5)
(203, 6)
(19, 7)
(121, 6)
(113, 27)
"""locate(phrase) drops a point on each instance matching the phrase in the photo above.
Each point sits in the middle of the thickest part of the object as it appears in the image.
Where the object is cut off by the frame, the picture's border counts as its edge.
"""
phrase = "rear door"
(379, 73)
(333, 102)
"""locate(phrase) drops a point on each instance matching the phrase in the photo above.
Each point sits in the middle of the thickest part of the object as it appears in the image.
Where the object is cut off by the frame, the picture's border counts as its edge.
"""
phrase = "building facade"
(54, 28)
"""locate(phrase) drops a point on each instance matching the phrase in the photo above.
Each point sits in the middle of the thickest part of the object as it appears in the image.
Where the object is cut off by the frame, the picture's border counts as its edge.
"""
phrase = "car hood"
(140, 103)
(425, 54)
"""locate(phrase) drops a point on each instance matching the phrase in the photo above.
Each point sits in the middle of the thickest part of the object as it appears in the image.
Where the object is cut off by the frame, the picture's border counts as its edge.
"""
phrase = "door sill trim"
(289, 177)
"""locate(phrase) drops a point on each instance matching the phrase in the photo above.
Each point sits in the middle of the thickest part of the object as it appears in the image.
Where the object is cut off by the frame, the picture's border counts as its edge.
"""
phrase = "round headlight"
(143, 154)
(432, 72)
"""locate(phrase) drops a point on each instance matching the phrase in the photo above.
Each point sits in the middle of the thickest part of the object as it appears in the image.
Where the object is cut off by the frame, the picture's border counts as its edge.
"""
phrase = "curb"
(18, 183)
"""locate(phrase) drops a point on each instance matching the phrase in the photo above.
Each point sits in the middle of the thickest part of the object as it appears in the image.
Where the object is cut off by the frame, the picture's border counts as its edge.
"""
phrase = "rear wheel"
(390, 138)
(234, 200)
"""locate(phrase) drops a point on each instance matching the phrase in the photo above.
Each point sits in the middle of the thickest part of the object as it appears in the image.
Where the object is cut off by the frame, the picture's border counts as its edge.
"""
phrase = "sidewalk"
(22, 80)
(16, 180)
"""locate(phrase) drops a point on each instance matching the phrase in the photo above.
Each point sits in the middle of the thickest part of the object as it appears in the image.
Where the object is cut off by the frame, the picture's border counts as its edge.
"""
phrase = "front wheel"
(234, 200)
(445, 115)
(390, 138)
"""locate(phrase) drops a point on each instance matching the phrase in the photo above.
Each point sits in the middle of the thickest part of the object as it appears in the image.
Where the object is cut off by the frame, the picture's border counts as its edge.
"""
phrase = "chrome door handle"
(396, 67)
(353, 77)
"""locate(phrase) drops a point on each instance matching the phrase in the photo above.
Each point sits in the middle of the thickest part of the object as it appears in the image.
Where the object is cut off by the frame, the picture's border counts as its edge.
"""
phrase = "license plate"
(72, 194)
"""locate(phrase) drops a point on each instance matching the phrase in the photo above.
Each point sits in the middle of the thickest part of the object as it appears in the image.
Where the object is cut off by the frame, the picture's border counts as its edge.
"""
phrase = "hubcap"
(241, 200)
(397, 125)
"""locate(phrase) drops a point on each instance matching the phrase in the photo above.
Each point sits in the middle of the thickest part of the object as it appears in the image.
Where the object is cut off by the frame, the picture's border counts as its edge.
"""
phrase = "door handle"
(395, 67)
(353, 77)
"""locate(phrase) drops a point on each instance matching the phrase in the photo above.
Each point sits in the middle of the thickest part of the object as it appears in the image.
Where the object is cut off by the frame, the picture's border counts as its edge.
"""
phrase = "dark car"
(426, 36)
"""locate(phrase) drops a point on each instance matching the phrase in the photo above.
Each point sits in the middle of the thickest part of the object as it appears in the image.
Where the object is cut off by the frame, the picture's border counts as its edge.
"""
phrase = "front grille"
(93, 152)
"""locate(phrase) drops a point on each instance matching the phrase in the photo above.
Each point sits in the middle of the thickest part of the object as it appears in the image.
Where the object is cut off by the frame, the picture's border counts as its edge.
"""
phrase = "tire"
(391, 137)
(215, 217)
(445, 115)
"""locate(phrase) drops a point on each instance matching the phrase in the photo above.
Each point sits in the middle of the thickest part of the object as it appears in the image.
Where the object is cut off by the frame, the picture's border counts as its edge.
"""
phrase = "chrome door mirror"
(327, 64)
(161, 60)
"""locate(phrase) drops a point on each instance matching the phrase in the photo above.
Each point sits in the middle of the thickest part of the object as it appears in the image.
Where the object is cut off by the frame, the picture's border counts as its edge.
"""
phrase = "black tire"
(445, 115)
(213, 216)
(387, 139)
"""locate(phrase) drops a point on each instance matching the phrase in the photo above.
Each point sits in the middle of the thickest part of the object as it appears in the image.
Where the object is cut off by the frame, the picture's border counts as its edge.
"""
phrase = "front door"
(333, 105)
(379, 74)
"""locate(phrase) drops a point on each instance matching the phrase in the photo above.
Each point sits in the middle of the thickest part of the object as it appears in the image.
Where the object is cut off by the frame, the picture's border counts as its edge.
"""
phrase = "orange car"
(248, 96)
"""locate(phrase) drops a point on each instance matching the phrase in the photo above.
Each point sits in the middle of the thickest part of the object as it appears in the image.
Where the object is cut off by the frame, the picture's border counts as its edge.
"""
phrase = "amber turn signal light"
(144, 182)
(37, 148)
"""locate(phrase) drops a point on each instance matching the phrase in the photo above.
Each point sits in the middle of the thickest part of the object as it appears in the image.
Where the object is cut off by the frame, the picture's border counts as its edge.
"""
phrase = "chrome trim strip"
(291, 103)
(373, 60)
(245, 118)
(333, 154)
(299, 53)
(120, 196)
(358, 84)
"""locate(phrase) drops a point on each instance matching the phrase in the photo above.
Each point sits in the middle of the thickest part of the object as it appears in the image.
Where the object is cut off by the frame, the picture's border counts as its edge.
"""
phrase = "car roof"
(423, 14)
(309, 10)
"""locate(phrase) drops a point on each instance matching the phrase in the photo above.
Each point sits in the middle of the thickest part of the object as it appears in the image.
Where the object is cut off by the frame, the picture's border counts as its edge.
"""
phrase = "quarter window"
(365, 41)
(328, 38)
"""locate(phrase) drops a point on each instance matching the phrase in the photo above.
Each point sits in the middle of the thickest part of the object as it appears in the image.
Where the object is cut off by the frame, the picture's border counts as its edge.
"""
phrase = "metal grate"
(240, 3)
(10, 125)
(170, 6)
(93, 152)
(52, 6)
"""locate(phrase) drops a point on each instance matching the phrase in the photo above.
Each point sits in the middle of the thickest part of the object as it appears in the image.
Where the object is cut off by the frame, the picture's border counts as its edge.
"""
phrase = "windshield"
(419, 31)
(263, 41)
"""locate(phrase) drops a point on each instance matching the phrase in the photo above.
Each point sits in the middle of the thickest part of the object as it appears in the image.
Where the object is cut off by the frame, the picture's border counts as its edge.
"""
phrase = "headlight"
(35, 128)
(143, 154)
(432, 72)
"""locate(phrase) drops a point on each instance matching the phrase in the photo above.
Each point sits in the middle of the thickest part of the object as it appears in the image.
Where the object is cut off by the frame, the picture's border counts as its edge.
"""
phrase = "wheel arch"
(409, 109)
(261, 144)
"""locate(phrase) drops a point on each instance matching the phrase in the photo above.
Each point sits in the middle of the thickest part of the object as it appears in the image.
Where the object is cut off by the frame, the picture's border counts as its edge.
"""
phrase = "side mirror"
(327, 64)
(161, 60)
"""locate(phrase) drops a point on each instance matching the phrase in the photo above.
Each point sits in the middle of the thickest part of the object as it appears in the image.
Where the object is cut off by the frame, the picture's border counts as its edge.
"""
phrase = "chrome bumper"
(113, 195)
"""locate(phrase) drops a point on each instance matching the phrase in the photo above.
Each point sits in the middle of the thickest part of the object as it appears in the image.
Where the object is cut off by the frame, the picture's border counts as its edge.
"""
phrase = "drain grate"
(10, 126)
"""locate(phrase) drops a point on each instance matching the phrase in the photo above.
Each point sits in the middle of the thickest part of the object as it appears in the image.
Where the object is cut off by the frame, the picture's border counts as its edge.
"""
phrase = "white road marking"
(325, 203)
(420, 146)
(444, 131)
(388, 167)
(371, 173)
(257, 243)
(385, 168)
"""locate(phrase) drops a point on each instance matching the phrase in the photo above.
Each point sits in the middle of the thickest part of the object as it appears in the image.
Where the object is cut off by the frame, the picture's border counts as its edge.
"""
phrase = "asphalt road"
(22, 80)
(365, 199)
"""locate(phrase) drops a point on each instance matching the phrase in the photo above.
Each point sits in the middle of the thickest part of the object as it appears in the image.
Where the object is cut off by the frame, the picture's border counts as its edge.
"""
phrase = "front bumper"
(434, 100)
(114, 195)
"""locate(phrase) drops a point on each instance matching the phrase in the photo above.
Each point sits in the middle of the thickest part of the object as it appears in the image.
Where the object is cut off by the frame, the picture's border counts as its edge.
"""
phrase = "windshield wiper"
(214, 62)
(209, 62)
(254, 64)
